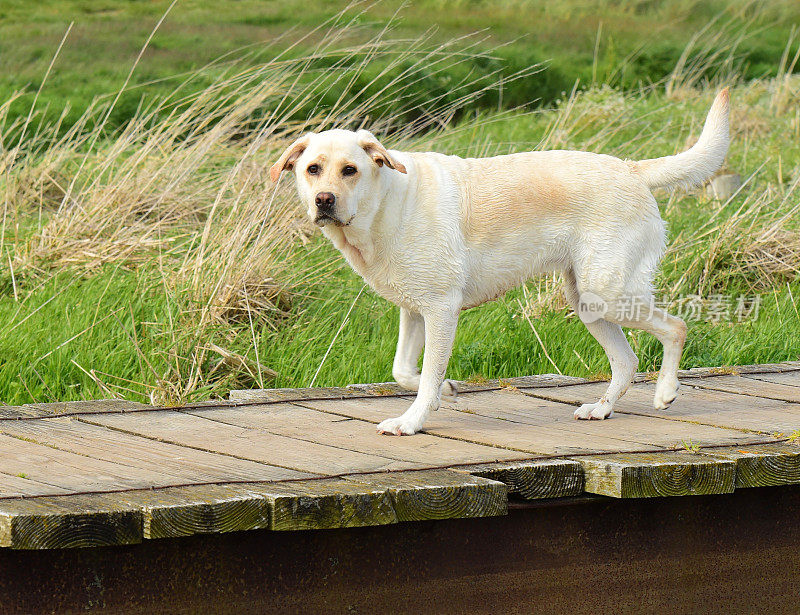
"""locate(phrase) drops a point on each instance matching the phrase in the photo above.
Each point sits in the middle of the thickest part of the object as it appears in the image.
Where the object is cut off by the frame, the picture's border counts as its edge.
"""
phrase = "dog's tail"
(695, 165)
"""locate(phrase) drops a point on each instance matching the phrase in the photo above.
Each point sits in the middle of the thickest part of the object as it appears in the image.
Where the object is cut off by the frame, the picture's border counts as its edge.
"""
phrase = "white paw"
(400, 426)
(599, 410)
(448, 392)
(666, 392)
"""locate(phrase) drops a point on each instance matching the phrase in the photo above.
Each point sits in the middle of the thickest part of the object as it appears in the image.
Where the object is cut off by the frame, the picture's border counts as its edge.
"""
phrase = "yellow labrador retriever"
(437, 234)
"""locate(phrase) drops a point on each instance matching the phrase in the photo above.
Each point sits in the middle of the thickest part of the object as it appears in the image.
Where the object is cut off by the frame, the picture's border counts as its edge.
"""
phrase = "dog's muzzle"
(326, 207)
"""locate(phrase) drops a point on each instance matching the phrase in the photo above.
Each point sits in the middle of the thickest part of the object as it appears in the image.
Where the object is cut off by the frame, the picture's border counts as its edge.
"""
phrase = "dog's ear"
(289, 157)
(377, 152)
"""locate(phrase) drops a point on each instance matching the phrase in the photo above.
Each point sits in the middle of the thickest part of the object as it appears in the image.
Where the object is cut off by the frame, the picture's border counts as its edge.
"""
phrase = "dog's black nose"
(325, 200)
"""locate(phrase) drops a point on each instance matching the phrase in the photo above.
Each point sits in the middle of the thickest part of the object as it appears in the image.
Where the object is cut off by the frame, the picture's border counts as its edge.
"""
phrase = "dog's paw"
(449, 391)
(666, 392)
(599, 410)
(398, 427)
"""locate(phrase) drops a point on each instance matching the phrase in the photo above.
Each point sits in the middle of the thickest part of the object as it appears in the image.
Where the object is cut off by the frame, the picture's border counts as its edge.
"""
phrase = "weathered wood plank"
(389, 389)
(538, 380)
(206, 509)
(786, 378)
(40, 410)
(67, 522)
(75, 473)
(516, 435)
(251, 444)
(126, 518)
(693, 405)
(759, 368)
(631, 431)
(352, 434)
(327, 504)
(12, 486)
(657, 475)
(439, 494)
(535, 479)
(750, 386)
(181, 463)
(765, 465)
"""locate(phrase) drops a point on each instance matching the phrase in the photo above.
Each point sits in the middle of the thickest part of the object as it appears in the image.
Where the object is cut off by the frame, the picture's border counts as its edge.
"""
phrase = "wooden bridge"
(109, 473)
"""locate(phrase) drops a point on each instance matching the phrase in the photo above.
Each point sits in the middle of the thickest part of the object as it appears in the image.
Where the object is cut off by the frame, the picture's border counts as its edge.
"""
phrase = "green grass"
(117, 324)
(625, 43)
(137, 264)
(122, 330)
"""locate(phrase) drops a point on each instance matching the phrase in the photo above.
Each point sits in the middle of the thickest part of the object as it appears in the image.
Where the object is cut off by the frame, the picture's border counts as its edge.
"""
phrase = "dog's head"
(336, 172)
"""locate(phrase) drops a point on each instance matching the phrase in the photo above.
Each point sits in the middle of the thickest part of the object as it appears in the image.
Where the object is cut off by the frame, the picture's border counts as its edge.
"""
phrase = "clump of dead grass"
(183, 188)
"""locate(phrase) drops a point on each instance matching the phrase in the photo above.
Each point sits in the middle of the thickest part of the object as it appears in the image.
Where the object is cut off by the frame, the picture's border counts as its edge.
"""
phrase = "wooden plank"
(251, 444)
(351, 434)
(631, 431)
(760, 368)
(693, 405)
(67, 522)
(72, 472)
(198, 509)
(439, 494)
(181, 463)
(126, 518)
(538, 380)
(514, 435)
(327, 504)
(105, 519)
(535, 479)
(750, 386)
(70, 407)
(657, 475)
(765, 465)
(388, 389)
(786, 378)
(12, 486)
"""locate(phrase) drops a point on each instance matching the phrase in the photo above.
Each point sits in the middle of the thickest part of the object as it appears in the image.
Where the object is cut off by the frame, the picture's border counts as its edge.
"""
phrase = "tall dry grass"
(183, 188)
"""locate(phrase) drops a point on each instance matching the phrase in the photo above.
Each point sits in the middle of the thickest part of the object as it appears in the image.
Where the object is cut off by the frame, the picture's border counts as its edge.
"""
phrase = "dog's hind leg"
(409, 347)
(671, 332)
(620, 355)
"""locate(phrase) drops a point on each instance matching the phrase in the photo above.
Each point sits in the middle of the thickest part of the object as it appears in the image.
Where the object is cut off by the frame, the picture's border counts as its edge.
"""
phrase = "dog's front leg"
(440, 330)
(409, 347)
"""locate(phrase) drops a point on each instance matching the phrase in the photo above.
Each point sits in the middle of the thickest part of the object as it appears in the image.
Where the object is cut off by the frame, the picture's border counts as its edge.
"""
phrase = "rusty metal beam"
(733, 553)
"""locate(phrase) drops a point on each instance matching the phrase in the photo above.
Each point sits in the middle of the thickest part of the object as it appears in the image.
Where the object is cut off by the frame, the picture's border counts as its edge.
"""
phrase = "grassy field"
(149, 257)
(621, 42)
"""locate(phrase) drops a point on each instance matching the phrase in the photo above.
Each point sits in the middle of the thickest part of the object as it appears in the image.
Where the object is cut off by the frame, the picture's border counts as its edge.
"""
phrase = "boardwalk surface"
(116, 472)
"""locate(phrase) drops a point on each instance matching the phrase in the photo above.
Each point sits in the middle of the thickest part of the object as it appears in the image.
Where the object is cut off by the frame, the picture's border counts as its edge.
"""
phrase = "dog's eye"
(349, 170)
(313, 169)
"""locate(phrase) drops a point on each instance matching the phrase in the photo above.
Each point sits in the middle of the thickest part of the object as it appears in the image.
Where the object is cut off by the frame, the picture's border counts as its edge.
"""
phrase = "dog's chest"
(393, 285)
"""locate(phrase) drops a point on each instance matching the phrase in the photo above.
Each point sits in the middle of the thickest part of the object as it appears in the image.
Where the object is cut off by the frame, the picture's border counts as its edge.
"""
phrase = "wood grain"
(498, 430)
(250, 444)
(535, 479)
(439, 494)
(72, 472)
(785, 378)
(742, 385)
(390, 389)
(327, 504)
(767, 465)
(70, 407)
(354, 435)
(67, 522)
(695, 405)
(658, 475)
(180, 463)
